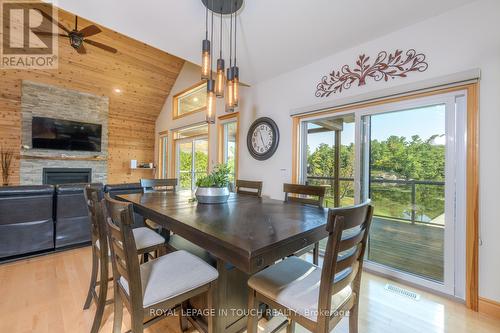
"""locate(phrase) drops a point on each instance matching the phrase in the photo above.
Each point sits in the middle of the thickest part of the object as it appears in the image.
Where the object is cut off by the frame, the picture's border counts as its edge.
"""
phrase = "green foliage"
(186, 163)
(408, 159)
(393, 158)
(218, 178)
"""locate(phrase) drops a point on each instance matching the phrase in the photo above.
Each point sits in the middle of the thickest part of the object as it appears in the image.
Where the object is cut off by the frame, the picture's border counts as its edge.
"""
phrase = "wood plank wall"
(144, 74)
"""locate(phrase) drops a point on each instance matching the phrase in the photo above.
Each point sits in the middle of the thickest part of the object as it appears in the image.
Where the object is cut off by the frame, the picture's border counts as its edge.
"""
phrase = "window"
(192, 100)
(228, 143)
(163, 155)
(191, 147)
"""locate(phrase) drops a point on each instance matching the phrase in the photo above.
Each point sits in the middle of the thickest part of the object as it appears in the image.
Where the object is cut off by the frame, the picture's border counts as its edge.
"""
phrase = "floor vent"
(402, 291)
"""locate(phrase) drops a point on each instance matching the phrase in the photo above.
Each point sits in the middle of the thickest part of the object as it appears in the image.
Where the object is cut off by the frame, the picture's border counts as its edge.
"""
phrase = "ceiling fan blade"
(48, 17)
(44, 33)
(81, 49)
(101, 46)
(91, 30)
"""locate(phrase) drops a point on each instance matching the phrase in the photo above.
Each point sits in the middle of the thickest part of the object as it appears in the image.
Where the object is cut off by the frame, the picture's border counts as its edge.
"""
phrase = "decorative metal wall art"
(386, 66)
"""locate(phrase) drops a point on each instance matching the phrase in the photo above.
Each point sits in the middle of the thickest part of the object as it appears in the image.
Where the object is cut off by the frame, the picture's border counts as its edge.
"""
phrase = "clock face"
(263, 138)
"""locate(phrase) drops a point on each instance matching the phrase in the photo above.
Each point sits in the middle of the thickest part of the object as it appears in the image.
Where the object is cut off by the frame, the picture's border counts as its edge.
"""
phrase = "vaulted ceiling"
(275, 36)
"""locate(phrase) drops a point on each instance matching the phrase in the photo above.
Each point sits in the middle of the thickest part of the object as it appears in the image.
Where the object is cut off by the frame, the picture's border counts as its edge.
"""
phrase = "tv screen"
(48, 133)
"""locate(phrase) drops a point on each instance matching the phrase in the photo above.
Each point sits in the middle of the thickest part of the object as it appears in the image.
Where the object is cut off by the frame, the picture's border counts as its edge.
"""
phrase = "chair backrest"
(249, 187)
(97, 224)
(318, 192)
(158, 185)
(119, 217)
(348, 230)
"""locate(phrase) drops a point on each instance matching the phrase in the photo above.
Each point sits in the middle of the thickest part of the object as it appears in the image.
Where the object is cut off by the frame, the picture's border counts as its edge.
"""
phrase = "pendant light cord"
(211, 39)
(231, 38)
(220, 40)
(206, 21)
(235, 18)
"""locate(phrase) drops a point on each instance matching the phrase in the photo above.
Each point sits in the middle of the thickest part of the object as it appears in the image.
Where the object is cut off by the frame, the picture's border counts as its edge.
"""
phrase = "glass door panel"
(406, 158)
(330, 159)
(200, 159)
(330, 155)
(185, 164)
(229, 148)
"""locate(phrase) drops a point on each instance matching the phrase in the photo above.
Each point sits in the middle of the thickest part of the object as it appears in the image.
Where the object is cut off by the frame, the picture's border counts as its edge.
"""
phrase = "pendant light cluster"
(221, 86)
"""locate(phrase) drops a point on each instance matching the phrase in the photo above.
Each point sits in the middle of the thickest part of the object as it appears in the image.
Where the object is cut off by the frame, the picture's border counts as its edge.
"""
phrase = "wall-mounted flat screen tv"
(49, 133)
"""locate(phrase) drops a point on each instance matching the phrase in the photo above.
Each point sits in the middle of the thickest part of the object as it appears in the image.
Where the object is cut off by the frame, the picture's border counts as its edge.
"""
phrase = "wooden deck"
(413, 248)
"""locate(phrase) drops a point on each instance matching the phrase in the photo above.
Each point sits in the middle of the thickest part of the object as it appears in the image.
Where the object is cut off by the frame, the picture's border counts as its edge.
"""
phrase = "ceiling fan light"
(210, 116)
(205, 60)
(220, 79)
(75, 40)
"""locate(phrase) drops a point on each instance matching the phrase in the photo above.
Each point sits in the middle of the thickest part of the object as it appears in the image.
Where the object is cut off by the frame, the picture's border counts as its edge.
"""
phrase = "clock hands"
(261, 139)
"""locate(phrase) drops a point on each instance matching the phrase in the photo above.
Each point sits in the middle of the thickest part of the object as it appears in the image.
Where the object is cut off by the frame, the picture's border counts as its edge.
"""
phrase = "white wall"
(462, 39)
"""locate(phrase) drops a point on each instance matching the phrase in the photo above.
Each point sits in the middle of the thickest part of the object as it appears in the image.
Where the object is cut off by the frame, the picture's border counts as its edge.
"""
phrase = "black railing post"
(413, 202)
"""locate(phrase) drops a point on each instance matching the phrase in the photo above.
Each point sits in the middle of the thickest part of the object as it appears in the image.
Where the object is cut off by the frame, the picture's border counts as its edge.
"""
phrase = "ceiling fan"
(77, 38)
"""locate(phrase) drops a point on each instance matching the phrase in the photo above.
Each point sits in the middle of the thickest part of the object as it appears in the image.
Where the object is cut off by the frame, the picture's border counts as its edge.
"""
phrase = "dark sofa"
(72, 219)
(26, 219)
(44, 218)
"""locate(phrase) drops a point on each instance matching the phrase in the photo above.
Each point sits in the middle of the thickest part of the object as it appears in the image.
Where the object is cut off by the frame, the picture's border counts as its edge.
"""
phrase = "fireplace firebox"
(55, 176)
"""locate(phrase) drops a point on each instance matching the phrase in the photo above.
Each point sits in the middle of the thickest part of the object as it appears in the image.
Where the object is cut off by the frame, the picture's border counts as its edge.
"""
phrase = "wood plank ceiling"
(144, 75)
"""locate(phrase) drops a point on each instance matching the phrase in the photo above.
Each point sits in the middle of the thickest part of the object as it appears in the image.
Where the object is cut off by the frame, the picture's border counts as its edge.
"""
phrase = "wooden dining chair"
(318, 298)
(157, 185)
(150, 289)
(249, 187)
(309, 195)
(146, 241)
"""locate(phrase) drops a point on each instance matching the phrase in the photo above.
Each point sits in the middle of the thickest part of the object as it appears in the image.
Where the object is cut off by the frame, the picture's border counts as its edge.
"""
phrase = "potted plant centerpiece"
(213, 188)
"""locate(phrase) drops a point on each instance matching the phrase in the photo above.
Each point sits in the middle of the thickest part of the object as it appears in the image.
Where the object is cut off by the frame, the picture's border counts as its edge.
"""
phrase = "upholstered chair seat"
(172, 275)
(294, 283)
(144, 238)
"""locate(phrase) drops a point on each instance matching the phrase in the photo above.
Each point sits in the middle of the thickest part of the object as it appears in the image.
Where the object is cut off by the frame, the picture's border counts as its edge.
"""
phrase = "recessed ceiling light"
(195, 99)
(118, 90)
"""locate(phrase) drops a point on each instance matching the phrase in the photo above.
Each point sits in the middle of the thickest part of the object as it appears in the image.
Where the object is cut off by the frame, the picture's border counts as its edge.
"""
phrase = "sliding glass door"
(192, 161)
(408, 158)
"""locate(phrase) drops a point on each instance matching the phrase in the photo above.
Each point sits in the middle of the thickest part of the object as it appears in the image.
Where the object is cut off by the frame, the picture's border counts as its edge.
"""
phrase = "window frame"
(221, 121)
(174, 170)
(163, 147)
(187, 91)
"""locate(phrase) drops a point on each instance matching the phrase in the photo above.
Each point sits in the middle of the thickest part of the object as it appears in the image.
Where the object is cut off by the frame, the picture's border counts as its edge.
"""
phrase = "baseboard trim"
(489, 307)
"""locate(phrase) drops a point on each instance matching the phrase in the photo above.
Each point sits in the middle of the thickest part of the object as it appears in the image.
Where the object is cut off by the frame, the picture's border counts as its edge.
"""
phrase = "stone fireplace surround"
(55, 102)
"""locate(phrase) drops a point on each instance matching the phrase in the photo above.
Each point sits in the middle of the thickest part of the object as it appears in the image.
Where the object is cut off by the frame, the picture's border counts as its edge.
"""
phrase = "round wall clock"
(263, 138)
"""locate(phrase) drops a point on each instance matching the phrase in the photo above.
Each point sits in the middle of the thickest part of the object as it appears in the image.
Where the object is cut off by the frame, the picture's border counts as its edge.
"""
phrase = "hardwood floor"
(46, 294)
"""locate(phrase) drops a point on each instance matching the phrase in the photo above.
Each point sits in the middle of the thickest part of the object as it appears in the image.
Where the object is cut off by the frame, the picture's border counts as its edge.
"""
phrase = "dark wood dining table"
(245, 235)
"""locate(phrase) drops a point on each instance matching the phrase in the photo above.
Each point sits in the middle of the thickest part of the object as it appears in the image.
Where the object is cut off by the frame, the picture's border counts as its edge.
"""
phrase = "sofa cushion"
(9, 191)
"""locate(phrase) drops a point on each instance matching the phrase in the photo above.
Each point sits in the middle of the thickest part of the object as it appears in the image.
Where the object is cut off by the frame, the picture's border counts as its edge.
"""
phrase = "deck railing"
(412, 184)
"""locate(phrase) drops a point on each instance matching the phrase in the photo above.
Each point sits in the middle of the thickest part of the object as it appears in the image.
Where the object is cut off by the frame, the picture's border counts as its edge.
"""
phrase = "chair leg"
(93, 279)
(101, 300)
(253, 315)
(137, 323)
(316, 254)
(118, 314)
(353, 319)
(183, 322)
(212, 308)
(290, 328)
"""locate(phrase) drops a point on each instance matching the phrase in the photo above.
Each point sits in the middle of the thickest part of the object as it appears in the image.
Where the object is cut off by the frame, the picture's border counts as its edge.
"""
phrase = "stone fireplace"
(46, 166)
